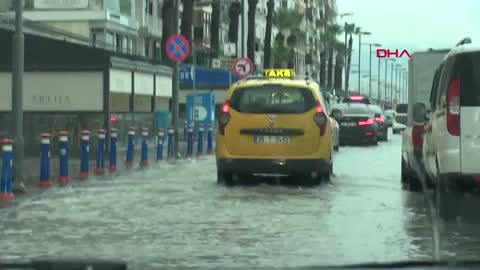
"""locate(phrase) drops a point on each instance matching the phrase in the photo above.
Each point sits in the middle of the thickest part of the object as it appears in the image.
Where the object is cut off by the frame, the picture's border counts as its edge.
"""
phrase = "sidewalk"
(32, 166)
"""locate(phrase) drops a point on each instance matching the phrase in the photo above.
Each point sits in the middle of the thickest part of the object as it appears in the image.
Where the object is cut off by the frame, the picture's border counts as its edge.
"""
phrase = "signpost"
(177, 49)
(242, 67)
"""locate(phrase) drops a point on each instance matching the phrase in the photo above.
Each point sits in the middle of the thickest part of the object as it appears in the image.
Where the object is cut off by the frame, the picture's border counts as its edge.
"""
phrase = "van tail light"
(417, 136)
(320, 119)
(367, 122)
(380, 119)
(453, 107)
(224, 118)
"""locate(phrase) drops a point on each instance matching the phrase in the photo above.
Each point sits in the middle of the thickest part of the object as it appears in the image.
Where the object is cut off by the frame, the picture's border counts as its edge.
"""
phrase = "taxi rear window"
(272, 99)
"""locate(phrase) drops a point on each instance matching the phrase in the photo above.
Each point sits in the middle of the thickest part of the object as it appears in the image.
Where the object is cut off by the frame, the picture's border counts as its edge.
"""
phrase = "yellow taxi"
(274, 124)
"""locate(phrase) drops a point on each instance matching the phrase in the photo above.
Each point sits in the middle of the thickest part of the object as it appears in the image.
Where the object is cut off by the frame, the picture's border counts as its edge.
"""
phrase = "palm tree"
(332, 32)
(167, 26)
(267, 50)
(349, 29)
(215, 28)
(186, 23)
(252, 9)
(285, 20)
(339, 64)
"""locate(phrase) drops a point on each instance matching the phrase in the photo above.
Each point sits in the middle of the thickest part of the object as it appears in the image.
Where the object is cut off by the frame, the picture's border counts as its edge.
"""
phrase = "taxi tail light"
(367, 122)
(320, 119)
(453, 108)
(380, 119)
(356, 98)
(224, 117)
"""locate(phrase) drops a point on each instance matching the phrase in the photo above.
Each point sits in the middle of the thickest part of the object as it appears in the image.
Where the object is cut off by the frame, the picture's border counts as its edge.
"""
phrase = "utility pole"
(370, 74)
(379, 94)
(17, 91)
(325, 49)
(175, 85)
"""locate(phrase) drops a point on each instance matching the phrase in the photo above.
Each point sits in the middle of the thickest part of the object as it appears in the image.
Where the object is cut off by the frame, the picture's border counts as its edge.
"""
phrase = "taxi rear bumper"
(272, 166)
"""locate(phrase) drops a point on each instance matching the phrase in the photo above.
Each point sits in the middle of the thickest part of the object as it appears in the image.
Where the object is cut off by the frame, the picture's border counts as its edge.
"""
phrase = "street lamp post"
(379, 97)
(391, 86)
(360, 54)
(17, 91)
(370, 69)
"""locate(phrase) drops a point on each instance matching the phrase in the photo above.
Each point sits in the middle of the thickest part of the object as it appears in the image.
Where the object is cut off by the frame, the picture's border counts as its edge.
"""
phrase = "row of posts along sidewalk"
(59, 169)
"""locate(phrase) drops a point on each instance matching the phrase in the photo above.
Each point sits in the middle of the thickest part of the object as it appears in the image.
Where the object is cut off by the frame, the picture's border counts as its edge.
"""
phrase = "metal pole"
(370, 75)
(386, 79)
(194, 52)
(175, 86)
(391, 87)
(346, 60)
(378, 83)
(397, 84)
(17, 92)
(359, 60)
(243, 28)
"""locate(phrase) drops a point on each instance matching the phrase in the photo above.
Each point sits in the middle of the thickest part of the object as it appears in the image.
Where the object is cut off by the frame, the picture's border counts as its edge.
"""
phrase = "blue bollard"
(144, 153)
(84, 152)
(6, 192)
(113, 151)
(190, 141)
(160, 145)
(44, 181)
(63, 178)
(170, 144)
(210, 139)
(100, 168)
(185, 129)
(200, 140)
(130, 147)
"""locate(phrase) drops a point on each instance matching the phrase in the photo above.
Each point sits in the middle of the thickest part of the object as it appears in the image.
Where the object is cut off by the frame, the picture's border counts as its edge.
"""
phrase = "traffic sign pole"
(175, 85)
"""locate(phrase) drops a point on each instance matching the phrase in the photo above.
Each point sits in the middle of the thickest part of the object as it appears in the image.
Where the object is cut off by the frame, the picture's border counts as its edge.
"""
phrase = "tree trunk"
(186, 23)
(323, 63)
(349, 63)
(337, 82)
(252, 8)
(167, 26)
(267, 50)
(233, 13)
(330, 69)
(215, 28)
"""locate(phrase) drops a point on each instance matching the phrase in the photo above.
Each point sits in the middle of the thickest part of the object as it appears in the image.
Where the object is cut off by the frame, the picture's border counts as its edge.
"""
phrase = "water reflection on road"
(179, 216)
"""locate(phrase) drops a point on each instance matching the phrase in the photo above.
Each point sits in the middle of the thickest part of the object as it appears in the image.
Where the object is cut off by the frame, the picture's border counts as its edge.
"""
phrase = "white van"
(451, 147)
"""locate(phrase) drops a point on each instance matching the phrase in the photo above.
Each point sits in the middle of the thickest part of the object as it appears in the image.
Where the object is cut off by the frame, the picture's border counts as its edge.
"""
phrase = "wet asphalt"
(176, 215)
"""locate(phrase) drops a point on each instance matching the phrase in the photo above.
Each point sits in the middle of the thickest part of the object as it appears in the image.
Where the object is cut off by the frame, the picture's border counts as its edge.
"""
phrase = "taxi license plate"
(348, 124)
(271, 140)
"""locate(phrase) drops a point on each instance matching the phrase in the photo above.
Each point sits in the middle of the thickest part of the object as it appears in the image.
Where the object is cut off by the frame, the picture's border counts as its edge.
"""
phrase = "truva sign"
(386, 53)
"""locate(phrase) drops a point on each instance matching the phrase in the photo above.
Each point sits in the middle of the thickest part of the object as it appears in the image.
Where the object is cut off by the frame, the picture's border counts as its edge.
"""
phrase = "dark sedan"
(380, 118)
(357, 123)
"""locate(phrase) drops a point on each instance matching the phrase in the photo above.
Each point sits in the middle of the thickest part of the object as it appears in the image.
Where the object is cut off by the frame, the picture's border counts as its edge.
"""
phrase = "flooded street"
(178, 216)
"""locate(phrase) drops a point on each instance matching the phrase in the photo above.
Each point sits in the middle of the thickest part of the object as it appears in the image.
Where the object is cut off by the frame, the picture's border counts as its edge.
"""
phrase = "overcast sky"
(410, 24)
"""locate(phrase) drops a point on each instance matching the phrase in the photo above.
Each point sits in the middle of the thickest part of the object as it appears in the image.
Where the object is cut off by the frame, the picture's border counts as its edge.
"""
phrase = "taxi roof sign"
(279, 73)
